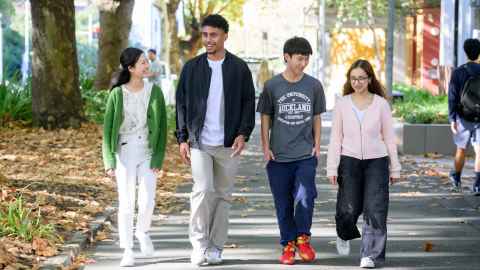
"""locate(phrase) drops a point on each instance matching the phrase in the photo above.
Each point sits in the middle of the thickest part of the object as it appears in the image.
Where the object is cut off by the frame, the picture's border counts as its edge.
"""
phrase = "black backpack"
(470, 98)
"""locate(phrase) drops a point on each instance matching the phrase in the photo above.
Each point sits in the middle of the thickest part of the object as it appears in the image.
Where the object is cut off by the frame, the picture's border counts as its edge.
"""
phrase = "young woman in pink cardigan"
(362, 159)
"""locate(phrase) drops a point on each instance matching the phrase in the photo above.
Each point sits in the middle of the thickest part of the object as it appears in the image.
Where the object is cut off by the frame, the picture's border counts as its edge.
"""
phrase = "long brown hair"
(374, 86)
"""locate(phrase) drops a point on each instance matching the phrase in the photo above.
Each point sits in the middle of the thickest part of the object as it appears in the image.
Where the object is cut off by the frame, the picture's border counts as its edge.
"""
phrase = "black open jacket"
(192, 94)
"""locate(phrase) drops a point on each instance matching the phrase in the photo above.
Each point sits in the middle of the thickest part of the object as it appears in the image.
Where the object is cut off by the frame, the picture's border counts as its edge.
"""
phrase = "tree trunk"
(191, 47)
(174, 53)
(164, 56)
(115, 25)
(378, 53)
(390, 45)
(56, 98)
(371, 26)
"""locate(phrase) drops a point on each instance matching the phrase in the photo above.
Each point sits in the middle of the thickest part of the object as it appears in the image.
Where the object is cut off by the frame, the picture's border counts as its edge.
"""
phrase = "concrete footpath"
(429, 227)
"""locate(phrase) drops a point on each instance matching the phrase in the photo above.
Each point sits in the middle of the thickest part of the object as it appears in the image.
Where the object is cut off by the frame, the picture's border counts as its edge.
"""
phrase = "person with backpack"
(464, 113)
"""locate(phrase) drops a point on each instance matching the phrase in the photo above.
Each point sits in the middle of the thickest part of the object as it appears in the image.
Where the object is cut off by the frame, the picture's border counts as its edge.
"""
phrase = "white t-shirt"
(213, 127)
(135, 105)
(358, 112)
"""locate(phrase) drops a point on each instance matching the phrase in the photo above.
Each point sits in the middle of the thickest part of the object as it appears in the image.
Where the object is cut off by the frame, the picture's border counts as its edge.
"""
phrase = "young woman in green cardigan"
(134, 139)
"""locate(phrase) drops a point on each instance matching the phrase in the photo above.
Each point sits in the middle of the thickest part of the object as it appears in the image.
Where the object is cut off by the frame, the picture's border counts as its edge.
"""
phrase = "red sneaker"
(288, 254)
(305, 250)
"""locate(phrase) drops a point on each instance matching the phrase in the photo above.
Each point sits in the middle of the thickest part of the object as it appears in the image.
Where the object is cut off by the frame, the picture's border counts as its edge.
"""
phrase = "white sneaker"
(146, 245)
(198, 257)
(214, 256)
(367, 262)
(127, 259)
(343, 246)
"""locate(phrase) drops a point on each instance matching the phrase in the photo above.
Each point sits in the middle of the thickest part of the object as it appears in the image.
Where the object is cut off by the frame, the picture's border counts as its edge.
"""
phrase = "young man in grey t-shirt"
(290, 107)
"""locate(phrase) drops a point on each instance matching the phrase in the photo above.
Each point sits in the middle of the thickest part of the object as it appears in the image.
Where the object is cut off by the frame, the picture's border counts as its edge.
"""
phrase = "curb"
(473, 201)
(79, 241)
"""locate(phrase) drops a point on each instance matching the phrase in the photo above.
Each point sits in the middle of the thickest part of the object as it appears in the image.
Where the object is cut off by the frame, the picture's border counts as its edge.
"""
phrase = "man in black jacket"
(215, 108)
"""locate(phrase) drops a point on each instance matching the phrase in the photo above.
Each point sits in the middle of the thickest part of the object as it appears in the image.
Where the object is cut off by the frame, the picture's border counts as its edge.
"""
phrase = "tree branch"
(200, 7)
(195, 7)
(191, 8)
(224, 7)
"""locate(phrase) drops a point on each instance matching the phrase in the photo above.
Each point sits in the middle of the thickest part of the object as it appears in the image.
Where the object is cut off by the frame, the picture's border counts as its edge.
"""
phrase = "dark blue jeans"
(294, 191)
(363, 188)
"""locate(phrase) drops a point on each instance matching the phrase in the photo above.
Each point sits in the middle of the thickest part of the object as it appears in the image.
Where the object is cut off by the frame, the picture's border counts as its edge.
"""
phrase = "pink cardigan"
(372, 138)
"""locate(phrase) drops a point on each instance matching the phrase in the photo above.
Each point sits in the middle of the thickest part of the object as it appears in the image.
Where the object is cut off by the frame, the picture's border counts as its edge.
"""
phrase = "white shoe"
(367, 262)
(343, 246)
(214, 256)
(146, 245)
(198, 257)
(127, 259)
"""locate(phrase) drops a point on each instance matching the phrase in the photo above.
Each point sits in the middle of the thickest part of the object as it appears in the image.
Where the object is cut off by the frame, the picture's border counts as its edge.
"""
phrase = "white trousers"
(213, 172)
(133, 165)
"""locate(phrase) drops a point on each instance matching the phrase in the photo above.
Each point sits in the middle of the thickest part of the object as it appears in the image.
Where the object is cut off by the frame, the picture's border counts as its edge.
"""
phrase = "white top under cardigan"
(358, 112)
(135, 105)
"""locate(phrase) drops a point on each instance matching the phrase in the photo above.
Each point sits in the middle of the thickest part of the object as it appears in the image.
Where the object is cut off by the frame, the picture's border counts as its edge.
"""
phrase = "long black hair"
(128, 58)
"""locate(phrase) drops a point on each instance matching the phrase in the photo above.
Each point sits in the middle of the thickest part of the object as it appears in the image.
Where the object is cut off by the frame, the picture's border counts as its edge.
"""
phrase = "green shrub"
(94, 101)
(17, 220)
(15, 103)
(420, 107)
(94, 104)
(14, 49)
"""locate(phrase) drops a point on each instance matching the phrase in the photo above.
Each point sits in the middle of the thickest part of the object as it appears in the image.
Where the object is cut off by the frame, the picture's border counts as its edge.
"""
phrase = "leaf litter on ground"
(60, 175)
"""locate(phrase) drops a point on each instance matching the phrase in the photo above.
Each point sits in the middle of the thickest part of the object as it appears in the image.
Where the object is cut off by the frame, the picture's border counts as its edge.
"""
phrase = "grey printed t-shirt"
(292, 107)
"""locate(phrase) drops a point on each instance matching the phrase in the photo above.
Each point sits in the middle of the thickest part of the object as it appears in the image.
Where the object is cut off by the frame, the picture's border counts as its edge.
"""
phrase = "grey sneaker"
(198, 257)
(367, 262)
(214, 255)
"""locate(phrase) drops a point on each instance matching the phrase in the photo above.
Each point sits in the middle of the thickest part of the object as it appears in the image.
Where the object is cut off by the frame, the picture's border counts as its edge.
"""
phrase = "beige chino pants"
(213, 172)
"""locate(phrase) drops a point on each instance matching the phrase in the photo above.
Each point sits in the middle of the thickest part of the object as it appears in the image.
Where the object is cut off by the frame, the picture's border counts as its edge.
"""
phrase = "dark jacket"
(458, 79)
(192, 94)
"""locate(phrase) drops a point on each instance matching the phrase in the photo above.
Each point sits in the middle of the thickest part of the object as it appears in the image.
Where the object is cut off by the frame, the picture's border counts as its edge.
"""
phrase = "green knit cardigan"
(156, 122)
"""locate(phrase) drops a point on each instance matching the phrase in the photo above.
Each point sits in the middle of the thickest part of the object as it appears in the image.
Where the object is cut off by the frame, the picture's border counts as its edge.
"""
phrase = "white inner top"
(135, 105)
(213, 127)
(358, 112)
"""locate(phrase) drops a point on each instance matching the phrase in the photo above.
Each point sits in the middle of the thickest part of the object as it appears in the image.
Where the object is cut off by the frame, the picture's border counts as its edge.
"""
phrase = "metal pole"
(390, 40)
(26, 56)
(1, 49)
(90, 29)
(321, 41)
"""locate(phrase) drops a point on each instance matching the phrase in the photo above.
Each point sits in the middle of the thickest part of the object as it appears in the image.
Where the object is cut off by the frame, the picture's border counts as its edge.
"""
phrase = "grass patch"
(17, 220)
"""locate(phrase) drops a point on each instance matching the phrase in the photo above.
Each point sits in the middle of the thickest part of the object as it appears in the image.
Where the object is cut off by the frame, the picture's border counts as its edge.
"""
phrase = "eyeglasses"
(359, 79)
